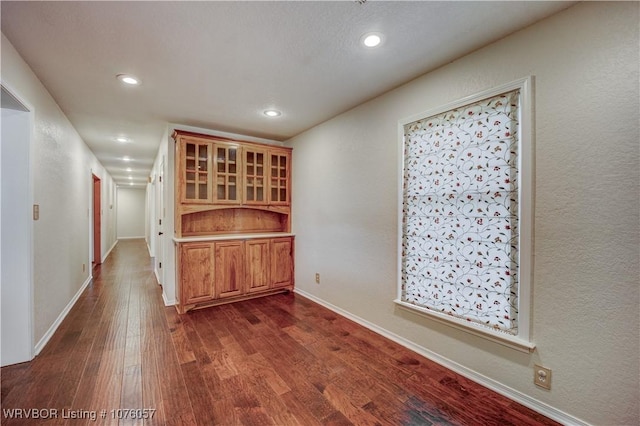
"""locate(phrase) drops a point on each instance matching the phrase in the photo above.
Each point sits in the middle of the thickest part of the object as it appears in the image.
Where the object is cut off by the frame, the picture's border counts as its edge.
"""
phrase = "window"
(465, 226)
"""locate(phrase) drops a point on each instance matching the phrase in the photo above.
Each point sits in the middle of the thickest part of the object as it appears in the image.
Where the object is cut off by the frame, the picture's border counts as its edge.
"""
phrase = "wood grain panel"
(229, 268)
(233, 221)
(258, 265)
(196, 272)
(281, 262)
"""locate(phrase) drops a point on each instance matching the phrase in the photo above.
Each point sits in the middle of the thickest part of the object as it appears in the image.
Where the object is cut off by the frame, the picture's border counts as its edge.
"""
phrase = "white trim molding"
(109, 251)
(504, 339)
(166, 301)
(47, 336)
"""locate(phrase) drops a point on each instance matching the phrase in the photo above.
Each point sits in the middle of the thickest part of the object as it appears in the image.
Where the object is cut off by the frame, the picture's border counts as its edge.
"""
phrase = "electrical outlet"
(542, 376)
(317, 278)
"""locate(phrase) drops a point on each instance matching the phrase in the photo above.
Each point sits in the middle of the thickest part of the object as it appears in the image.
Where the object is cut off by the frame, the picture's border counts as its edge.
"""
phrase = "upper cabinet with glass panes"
(195, 170)
(279, 177)
(215, 173)
(227, 173)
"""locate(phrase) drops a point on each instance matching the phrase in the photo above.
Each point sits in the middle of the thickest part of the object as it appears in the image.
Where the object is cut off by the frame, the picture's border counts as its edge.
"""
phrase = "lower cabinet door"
(257, 258)
(229, 269)
(197, 273)
(281, 262)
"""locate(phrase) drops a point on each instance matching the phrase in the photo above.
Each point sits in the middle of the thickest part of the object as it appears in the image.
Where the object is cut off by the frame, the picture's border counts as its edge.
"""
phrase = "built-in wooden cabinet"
(229, 269)
(227, 173)
(232, 220)
(279, 177)
(255, 176)
(281, 262)
(195, 174)
(230, 187)
(258, 264)
(196, 265)
(215, 272)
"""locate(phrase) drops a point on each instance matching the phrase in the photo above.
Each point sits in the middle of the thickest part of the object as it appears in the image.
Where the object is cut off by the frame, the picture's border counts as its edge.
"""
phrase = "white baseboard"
(132, 238)
(47, 336)
(517, 396)
(167, 302)
(109, 251)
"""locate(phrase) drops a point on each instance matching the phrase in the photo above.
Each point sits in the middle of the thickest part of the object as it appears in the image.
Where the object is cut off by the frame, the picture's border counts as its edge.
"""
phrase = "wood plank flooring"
(278, 360)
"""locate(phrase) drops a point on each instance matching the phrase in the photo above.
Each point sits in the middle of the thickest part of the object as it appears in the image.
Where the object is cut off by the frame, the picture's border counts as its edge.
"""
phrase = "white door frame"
(160, 222)
(17, 263)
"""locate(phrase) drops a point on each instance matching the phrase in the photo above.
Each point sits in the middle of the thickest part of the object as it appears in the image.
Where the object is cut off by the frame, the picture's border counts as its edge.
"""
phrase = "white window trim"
(523, 340)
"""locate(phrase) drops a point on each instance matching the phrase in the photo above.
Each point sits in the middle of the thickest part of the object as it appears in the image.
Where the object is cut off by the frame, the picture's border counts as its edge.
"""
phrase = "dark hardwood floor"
(279, 360)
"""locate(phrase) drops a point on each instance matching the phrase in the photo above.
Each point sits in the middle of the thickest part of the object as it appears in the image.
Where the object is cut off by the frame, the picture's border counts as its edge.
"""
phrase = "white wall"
(131, 212)
(62, 167)
(585, 61)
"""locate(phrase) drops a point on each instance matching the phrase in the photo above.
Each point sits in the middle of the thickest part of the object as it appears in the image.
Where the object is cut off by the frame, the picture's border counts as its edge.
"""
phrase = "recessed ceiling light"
(130, 177)
(126, 158)
(372, 39)
(128, 169)
(272, 113)
(128, 79)
(122, 139)
(131, 183)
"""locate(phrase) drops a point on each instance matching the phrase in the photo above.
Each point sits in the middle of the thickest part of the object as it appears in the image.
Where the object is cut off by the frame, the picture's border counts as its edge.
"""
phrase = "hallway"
(278, 360)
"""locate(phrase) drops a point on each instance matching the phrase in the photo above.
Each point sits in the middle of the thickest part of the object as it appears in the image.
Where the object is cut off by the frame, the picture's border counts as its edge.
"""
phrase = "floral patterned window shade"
(460, 213)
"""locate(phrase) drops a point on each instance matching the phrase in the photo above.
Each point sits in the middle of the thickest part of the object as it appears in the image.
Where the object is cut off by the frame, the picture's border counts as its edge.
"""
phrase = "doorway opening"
(97, 225)
(16, 231)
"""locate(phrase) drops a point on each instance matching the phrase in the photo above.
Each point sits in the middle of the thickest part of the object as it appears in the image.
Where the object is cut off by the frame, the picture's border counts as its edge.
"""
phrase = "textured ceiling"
(219, 65)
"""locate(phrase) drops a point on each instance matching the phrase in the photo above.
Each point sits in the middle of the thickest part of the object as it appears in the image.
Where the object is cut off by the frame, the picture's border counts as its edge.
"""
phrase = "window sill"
(504, 339)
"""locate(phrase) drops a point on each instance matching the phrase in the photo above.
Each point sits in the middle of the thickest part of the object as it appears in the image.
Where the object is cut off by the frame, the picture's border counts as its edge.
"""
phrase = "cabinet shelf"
(242, 220)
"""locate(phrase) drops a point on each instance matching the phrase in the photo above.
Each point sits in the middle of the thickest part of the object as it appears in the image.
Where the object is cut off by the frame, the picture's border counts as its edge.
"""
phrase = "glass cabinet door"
(279, 178)
(255, 176)
(196, 171)
(227, 160)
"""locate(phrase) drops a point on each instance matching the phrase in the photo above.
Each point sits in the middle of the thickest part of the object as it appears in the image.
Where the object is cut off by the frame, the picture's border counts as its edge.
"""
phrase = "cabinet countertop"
(231, 237)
